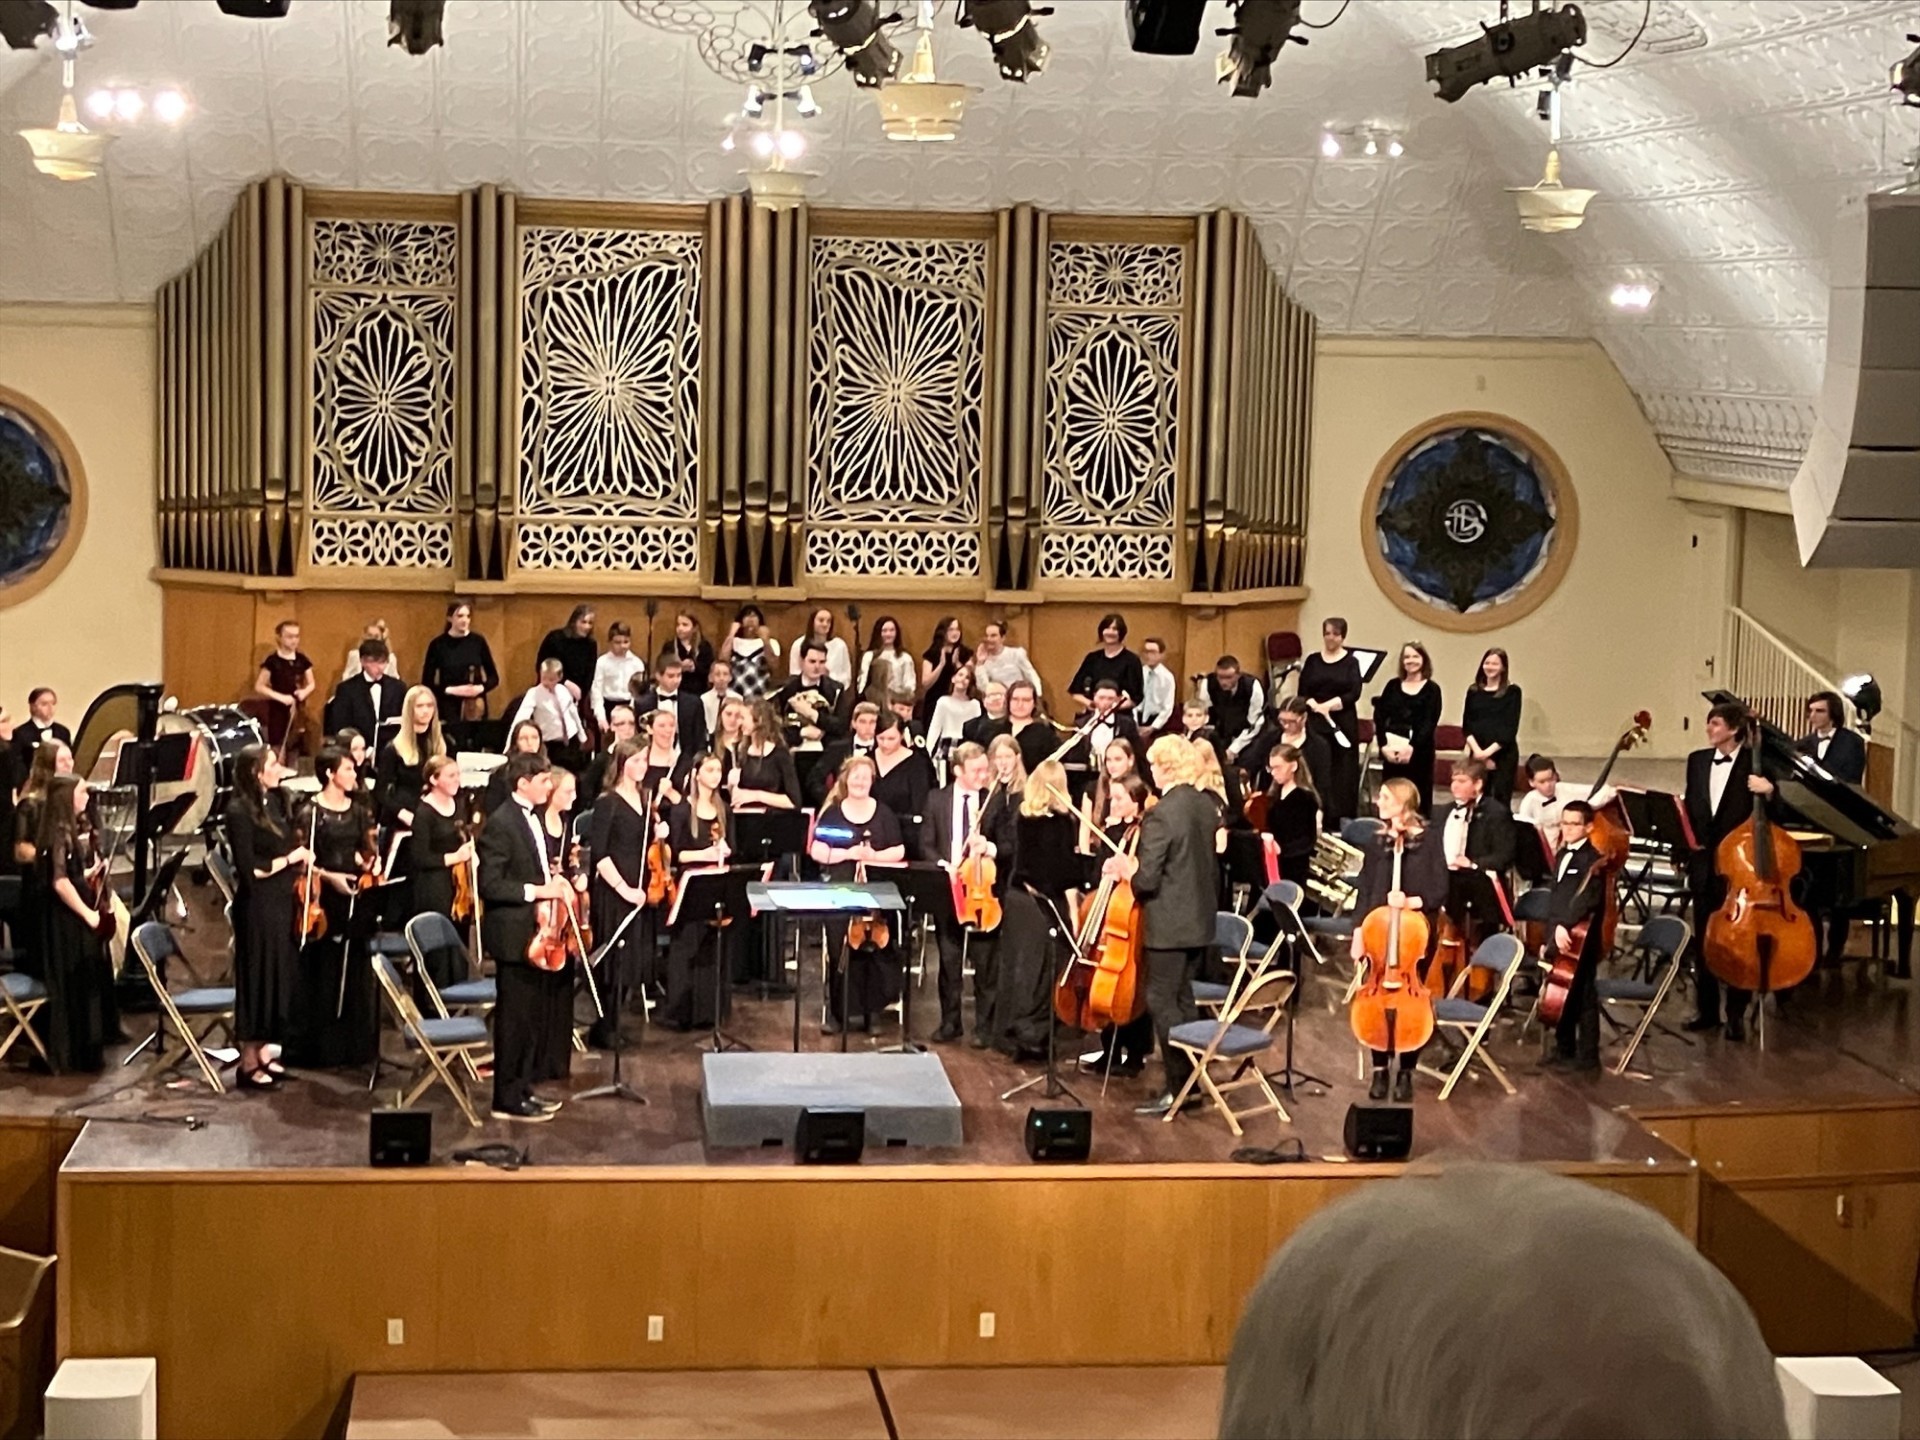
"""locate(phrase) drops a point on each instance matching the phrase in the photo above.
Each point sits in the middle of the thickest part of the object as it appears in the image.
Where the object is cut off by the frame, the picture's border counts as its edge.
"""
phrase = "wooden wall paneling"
(31, 1150)
(1886, 1269)
(1786, 1253)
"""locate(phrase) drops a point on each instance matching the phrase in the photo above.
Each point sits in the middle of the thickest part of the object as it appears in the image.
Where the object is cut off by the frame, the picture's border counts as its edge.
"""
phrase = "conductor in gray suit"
(1176, 874)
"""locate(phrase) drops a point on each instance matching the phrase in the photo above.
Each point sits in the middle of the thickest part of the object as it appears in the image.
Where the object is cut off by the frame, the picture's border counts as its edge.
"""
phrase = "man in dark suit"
(1840, 751)
(513, 877)
(39, 725)
(1477, 836)
(1721, 784)
(669, 692)
(1176, 874)
(962, 819)
(1578, 894)
(370, 702)
(859, 741)
(809, 702)
(1103, 724)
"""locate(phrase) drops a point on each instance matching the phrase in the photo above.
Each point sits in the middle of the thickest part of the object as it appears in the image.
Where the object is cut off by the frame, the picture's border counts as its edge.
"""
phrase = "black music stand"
(777, 838)
(1052, 1086)
(712, 897)
(616, 1088)
(1294, 935)
(1246, 861)
(806, 898)
(928, 889)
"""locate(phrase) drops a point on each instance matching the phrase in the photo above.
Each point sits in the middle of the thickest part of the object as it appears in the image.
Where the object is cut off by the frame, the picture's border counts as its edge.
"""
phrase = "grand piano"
(1854, 853)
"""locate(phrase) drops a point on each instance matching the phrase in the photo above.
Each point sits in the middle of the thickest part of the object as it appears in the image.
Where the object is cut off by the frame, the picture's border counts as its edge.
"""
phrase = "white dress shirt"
(1566, 859)
(554, 711)
(839, 658)
(1459, 818)
(966, 814)
(1719, 775)
(710, 707)
(539, 830)
(1157, 704)
(1256, 712)
(613, 680)
(950, 715)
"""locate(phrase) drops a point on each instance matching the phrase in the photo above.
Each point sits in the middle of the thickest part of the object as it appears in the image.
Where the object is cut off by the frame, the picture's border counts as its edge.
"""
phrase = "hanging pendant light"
(68, 150)
(920, 106)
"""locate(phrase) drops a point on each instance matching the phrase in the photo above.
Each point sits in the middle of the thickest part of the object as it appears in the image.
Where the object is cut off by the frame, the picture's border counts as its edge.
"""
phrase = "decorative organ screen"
(897, 380)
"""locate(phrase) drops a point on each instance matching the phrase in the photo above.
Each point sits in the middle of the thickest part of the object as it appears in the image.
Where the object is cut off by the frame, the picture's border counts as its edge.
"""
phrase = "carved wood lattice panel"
(1114, 323)
(610, 400)
(895, 400)
(380, 337)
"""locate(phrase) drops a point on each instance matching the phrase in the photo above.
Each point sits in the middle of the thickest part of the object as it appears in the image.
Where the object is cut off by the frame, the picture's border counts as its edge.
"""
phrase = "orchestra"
(406, 810)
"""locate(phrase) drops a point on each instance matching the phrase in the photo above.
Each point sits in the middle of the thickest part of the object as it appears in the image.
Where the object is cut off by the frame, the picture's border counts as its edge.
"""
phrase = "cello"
(1759, 939)
(1101, 985)
(1611, 840)
(1392, 1011)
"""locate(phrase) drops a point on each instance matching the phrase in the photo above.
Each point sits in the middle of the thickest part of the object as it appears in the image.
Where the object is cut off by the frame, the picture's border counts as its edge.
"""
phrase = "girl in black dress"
(698, 835)
(51, 758)
(903, 776)
(692, 650)
(1127, 1048)
(267, 856)
(1406, 712)
(458, 667)
(943, 659)
(852, 832)
(665, 776)
(1330, 684)
(618, 835)
(401, 770)
(1038, 918)
(1117, 761)
(81, 1016)
(1423, 887)
(333, 1022)
(438, 847)
(1492, 722)
(762, 776)
(1293, 812)
(525, 740)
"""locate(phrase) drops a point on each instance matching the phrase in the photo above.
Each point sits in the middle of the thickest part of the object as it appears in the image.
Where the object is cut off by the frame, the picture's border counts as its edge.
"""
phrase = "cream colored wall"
(98, 623)
(1801, 606)
(1623, 630)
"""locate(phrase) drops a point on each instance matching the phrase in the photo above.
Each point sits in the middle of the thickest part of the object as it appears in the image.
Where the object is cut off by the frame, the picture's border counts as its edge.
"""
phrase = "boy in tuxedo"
(1721, 784)
(1579, 893)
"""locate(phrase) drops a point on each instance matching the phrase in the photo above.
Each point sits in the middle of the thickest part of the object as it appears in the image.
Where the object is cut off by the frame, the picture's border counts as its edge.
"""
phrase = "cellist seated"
(1579, 896)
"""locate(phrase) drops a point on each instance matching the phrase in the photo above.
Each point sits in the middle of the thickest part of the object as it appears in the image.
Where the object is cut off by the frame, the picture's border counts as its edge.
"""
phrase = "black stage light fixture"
(415, 24)
(23, 22)
(853, 27)
(1260, 31)
(255, 9)
(1008, 24)
(1905, 75)
(110, 4)
(1165, 27)
(1511, 48)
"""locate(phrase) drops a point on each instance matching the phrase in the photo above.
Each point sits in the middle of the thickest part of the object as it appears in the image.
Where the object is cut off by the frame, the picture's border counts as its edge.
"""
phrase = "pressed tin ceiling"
(1721, 148)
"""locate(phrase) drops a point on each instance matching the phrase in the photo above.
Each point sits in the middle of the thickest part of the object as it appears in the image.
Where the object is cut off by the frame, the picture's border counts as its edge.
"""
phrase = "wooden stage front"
(262, 1262)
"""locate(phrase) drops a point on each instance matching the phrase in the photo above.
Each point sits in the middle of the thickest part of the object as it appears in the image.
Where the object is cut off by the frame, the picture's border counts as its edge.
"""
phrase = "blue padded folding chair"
(1660, 947)
(440, 1041)
(1500, 957)
(192, 1015)
(1230, 1041)
(1233, 938)
(21, 997)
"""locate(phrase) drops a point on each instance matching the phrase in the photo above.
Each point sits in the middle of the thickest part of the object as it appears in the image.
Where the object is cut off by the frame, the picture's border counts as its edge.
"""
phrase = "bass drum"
(219, 733)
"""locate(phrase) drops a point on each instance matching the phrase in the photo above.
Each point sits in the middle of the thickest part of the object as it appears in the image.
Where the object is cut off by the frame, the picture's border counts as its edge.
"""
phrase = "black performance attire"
(1413, 716)
(1423, 873)
(512, 861)
(1490, 842)
(904, 790)
(1491, 716)
(1293, 820)
(1842, 754)
(1128, 1047)
(690, 729)
(831, 723)
(1711, 824)
(1579, 893)
(1178, 883)
(983, 729)
(1124, 669)
(1037, 740)
(333, 1021)
(1335, 766)
(28, 736)
(367, 706)
(872, 972)
(82, 1017)
(620, 831)
(266, 950)
(577, 654)
(695, 661)
(462, 660)
(696, 946)
(1036, 929)
(942, 682)
(771, 771)
(435, 836)
(950, 815)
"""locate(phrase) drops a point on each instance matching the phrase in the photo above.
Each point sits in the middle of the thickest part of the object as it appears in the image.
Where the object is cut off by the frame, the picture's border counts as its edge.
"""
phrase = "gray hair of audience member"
(1495, 1301)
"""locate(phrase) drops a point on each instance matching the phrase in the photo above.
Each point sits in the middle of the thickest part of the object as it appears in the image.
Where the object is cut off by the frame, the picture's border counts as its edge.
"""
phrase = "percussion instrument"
(477, 767)
(220, 733)
(301, 784)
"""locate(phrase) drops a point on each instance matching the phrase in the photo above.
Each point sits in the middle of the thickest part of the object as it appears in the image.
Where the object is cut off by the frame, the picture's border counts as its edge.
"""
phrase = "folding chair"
(21, 997)
(1227, 1041)
(1501, 957)
(439, 1041)
(1233, 938)
(212, 1005)
(431, 932)
(1660, 946)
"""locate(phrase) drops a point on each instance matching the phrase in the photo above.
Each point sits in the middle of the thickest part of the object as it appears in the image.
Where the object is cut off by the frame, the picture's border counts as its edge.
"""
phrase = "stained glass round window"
(41, 499)
(1470, 522)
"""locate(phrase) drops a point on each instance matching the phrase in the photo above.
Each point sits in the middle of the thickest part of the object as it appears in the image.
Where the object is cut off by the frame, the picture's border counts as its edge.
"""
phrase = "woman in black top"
(399, 773)
(942, 660)
(333, 1020)
(763, 777)
(51, 758)
(617, 838)
(903, 777)
(1111, 661)
(698, 833)
(1423, 883)
(82, 1018)
(666, 764)
(854, 831)
(1293, 812)
(693, 651)
(1407, 709)
(1037, 917)
(1491, 719)
(574, 647)
(267, 857)
(458, 668)
(1031, 731)
(437, 847)
(1330, 684)
(1124, 1048)
(553, 1057)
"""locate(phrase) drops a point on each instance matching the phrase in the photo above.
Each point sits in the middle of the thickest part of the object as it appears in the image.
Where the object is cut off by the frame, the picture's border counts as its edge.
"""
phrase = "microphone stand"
(617, 1088)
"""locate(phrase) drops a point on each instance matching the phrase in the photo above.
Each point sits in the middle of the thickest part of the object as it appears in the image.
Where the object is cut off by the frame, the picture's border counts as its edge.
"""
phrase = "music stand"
(776, 837)
(1370, 661)
(1052, 1086)
(824, 898)
(711, 897)
(1246, 859)
(616, 1088)
(928, 889)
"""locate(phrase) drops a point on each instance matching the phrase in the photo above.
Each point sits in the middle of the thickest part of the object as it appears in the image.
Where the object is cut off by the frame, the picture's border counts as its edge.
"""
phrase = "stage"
(262, 1260)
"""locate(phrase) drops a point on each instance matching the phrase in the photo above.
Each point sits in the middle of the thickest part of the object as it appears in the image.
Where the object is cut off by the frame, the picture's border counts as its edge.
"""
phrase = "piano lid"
(1812, 794)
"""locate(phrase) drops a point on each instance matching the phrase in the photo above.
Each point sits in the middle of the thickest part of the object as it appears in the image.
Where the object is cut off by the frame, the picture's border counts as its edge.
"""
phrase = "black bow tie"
(1723, 759)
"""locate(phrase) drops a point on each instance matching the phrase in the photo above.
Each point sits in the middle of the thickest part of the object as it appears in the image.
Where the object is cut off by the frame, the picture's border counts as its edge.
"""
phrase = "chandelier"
(67, 150)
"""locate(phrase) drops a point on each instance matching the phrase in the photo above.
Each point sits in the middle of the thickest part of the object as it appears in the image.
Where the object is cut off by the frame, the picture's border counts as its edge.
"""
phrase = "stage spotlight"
(1864, 693)
(1260, 30)
(23, 22)
(853, 27)
(1165, 27)
(804, 103)
(255, 9)
(1510, 48)
(1008, 25)
(415, 24)
(1330, 145)
(1906, 75)
(755, 103)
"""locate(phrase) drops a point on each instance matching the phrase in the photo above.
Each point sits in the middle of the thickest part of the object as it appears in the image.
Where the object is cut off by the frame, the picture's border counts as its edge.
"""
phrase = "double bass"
(1392, 1010)
(1611, 840)
(1759, 939)
(1101, 985)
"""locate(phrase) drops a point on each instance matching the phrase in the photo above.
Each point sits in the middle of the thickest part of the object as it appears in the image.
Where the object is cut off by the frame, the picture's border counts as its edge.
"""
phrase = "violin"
(1759, 939)
(558, 936)
(463, 887)
(474, 707)
(659, 865)
(312, 915)
(974, 904)
(1611, 839)
(1255, 810)
(1392, 1010)
(1101, 986)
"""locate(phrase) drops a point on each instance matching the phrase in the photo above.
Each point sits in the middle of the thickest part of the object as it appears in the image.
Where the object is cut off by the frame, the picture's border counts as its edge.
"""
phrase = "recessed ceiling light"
(100, 104)
(170, 107)
(1330, 145)
(1632, 295)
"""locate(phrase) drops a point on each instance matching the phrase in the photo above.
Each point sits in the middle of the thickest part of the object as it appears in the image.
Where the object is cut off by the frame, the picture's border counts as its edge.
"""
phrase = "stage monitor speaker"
(1165, 27)
(1059, 1134)
(1379, 1132)
(830, 1136)
(399, 1137)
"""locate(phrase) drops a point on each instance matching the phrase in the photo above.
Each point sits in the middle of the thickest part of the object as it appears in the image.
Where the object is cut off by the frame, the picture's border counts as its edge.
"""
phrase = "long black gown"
(435, 836)
(1036, 929)
(872, 973)
(82, 1017)
(334, 1025)
(696, 947)
(552, 1016)
(266, 950)
(1413, 717)
(620, 832)
(29, 922)
(1335, 767)
(1489, 717)
(904, 790)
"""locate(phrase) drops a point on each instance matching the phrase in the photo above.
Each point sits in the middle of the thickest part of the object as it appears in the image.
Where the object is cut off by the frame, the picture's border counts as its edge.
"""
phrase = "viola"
(1759, 939)
(871, 930)
(1392, 1010)
(463, 877)
(659, 873)
(552, 941)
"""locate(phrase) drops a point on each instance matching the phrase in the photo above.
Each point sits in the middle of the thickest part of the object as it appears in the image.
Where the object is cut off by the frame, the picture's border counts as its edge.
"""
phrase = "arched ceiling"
(1721, 148)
